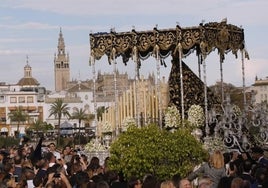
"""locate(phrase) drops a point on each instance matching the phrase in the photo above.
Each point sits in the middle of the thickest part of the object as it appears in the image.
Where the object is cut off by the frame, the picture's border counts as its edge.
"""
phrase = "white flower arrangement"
(172, 117)
(236, 111)
(211, 144)
(127, 122)
(94, 145)
(196, 115)
(106, 127)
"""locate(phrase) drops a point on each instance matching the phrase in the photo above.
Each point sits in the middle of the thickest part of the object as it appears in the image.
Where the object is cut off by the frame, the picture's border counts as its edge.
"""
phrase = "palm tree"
(59, 109)
(80, 115)
(100, 111)
(39, 125)
(19, 116)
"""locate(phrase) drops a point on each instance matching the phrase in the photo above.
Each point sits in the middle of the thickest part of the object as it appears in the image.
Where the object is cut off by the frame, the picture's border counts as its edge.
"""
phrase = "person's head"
(217, 159)
(28, 173)
(149, 181)
(246, 184)
(102, 184)
(167, 184)
(176, 180)
(94, 163)
(232, 171)
(50, 157)
(76, 167)
(247, 165)
(225, 182)
(52, 146)
(67, 149)
(256, 152)
(234, 154)
(237, 183)
(82, 178)
(17, 160)
(9, 168)
(134, 182)
(261, 174)
(185, 183)
(38, 181)
(112, 176)
(204, 182)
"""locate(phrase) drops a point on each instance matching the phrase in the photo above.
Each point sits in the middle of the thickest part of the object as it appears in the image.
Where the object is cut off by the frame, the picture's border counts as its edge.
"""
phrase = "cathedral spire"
(61, 65)
(61, 44)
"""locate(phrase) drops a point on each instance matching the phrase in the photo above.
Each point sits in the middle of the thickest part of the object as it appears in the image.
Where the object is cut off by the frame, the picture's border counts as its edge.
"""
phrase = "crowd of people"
(26, 167)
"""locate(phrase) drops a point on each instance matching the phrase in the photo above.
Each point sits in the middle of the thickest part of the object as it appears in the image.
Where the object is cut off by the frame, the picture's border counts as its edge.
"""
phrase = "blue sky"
(31, 27)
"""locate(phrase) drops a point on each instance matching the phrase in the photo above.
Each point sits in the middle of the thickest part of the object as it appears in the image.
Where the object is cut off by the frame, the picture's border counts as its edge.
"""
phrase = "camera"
(77, 158)
(56, 175)
(16, 177)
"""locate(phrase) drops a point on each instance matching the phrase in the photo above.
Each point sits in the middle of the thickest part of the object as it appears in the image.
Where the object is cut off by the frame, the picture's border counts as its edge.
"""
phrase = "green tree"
(80, 115)
(19, 116)
(39, 125)
(140, 151)
(59, 109)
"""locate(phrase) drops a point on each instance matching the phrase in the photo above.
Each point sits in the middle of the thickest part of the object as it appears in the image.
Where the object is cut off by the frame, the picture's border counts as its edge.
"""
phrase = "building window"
(75, 109)
(30, 100)
(86, 97)
(21, 99)
(13, 99)
(87, 108)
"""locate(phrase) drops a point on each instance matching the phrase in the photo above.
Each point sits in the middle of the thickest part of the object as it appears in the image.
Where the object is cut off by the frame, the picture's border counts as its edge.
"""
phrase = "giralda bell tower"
(61, 66)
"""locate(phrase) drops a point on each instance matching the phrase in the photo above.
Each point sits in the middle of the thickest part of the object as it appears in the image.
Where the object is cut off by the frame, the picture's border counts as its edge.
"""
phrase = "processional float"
(185, 88)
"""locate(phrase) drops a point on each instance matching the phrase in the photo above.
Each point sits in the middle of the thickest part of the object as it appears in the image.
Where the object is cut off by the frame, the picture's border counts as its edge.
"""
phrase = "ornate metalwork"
(203, 38)
(186, 88)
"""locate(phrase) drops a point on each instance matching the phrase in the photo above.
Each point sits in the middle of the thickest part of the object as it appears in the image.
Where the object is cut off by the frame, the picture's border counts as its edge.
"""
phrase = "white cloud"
(240, 12)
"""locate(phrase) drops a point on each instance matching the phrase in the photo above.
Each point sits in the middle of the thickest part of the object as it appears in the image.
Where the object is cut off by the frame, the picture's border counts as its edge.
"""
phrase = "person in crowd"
(102, 184)
(167, 184)
(43, 165)
(2, 159)
(185, 183)
(258, 155)
(232, 170)
(237, 183)
(75, 168)
(67, 154)
(176, 180)
(94, 168)
(58, 181)
(261, 175)
(52, 149)
(134, 182)
(105, 165)
(204, 182)
(38, 182)
(18, 166)
(115, 179)
(27, 176)
(149, 181)
(9, 169)
(51, 159)
(236, 160)
(84, 159)
(246, 171)
(214, 169)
